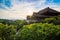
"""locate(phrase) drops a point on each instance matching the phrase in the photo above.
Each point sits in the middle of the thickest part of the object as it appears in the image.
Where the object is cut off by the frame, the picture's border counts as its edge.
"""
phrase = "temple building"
(42, 14)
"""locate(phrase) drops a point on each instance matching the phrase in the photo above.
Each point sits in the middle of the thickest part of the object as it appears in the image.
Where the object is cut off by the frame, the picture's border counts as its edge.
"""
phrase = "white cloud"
(20, 10)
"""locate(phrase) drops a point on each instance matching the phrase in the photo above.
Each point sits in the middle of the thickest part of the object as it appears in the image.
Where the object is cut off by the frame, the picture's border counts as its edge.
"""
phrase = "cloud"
(20, 9)
(17, 11)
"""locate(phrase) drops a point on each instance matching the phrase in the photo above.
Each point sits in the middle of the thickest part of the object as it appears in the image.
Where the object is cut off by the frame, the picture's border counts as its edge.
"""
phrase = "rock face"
(42, 14)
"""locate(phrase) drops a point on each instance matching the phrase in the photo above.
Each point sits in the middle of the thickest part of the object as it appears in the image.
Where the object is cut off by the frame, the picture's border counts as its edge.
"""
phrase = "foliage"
(20, 23)
(7, 32)
(55, 20)
(8, 28)
(5, 21)
(39, 31)
(48, 29)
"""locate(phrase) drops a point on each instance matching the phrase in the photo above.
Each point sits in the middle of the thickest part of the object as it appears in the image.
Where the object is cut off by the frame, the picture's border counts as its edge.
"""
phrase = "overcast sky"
(19, 9)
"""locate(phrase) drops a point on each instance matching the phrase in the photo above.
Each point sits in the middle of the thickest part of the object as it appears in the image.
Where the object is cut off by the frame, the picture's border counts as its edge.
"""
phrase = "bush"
(55, 20)
(39, 31)
(7, 32)
(20, 24)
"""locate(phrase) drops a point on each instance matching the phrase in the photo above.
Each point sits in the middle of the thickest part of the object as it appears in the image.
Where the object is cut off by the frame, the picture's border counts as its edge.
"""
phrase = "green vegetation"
(7, 32)
(39, 31)
(9, 28)
(20, 24)
(47, 29)
(55, 20)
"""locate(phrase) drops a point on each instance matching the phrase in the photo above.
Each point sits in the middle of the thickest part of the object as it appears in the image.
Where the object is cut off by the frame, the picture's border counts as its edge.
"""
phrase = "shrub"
(39, 31)
(7, 32)
(55, 20)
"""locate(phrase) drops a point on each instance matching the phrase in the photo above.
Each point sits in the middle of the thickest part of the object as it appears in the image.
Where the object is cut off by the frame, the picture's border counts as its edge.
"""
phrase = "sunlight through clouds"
(21, 8)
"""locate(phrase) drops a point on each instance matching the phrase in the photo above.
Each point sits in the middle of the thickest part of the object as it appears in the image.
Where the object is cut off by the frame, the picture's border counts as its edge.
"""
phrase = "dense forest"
(47, 29)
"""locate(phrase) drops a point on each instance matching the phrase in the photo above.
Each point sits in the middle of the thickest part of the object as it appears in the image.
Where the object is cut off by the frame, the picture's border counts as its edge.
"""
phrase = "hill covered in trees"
(47, 29)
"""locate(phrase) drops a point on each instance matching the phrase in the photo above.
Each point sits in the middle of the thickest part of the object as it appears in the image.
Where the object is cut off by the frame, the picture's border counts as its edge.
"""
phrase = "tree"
(20, 24)
(39, 31)
(7, 32)
(5, 21)
(55, 20)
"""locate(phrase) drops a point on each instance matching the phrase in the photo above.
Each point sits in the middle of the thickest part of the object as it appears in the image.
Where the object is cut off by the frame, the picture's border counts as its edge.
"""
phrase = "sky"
(19, 9)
